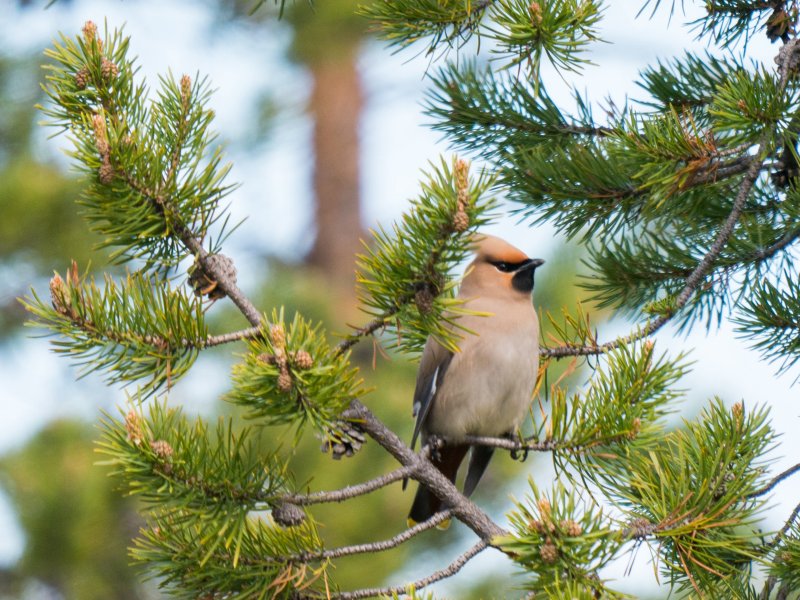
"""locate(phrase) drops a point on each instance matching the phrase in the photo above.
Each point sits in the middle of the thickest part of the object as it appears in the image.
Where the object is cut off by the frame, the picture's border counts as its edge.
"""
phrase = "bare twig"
(775, 481)
(362, 332)
(371, 547)
(234, 336)
(532, 445)
(351, 491)
(448, 571)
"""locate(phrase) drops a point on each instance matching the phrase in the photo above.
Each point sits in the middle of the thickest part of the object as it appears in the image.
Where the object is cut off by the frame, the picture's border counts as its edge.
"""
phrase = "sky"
(396, 143)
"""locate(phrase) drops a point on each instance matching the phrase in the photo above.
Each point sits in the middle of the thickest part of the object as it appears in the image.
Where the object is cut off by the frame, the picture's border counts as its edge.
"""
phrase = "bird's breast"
(489, 384)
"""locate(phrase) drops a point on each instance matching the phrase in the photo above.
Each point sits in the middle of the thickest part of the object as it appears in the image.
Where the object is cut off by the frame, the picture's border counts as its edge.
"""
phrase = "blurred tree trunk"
(335, 107)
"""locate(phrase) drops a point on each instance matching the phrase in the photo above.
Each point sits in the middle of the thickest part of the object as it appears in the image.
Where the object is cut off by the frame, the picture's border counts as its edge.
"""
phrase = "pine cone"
(82, 78)
(302, 359)
(548, 552)
(287, 514)
(108, 69)
(345, 440)
(571, 528)
(424, 301)
(162, 449)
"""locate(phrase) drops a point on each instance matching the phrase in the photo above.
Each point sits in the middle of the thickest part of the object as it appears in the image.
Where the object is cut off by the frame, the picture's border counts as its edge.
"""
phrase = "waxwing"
(484, 389)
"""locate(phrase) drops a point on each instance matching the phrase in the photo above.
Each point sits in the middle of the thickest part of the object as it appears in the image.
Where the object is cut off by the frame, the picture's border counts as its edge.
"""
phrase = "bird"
(486, 388)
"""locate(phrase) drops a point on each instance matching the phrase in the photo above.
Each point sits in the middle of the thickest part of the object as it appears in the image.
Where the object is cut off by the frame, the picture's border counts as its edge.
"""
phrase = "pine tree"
(686, 209)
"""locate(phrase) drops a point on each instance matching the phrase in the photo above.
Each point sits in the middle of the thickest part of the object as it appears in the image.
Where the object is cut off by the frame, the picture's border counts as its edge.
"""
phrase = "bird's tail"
(426, 503)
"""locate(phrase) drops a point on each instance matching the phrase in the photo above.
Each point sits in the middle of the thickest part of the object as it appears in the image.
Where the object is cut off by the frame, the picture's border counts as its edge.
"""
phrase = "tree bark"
(335, 107)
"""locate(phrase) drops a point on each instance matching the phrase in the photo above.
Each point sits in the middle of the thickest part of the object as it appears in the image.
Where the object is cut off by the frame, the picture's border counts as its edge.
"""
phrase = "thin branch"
(532, 445)
(351, 491)
(235, 336)
(696, 277)
(448, 571)
(371, 547)
(775, 481)
(353, 338)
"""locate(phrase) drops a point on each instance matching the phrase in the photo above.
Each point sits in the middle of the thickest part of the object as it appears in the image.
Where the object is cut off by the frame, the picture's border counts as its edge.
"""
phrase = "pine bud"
(59, 295)
(82, 78)
(636, 426)
(284, 381)
(186, 90)
(302, 359)
(89, 31)
(133, 426)
(460, 221)
(462, 174)
(549, 552)
(287, 514)
(536, 13)
(100, 134)
(544, 507)
(278, 336)
(106, 172)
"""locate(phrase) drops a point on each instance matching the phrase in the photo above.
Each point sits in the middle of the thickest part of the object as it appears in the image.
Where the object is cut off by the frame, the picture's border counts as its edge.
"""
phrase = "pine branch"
(139, 329)
(697, 276)
(448, 571)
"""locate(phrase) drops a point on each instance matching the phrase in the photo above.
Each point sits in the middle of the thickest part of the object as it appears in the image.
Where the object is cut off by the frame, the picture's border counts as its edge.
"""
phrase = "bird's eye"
(503, 266)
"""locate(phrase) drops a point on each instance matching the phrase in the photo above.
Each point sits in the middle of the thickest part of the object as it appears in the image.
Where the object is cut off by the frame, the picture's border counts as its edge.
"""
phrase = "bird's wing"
(432, 369)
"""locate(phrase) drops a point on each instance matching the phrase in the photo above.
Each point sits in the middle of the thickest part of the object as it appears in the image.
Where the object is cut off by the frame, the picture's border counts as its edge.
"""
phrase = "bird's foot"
(434, 445)
(520, 454)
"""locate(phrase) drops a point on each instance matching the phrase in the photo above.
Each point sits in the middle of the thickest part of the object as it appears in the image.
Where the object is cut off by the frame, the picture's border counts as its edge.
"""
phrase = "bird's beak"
(530, 264)
(523, 276)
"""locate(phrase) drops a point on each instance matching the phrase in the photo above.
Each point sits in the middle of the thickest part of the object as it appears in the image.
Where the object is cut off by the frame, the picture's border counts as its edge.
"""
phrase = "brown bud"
(636, 426)
(536, 13)
(284, 381)
(106, 172)
(462, 174)
(302, 359)
(460, 221)
(186, 90)
(100, 134)
(59, 295)
(133, 426)
(548, 552)
(82, 78)
(89, 31)
(278, 335)
(544, 507)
